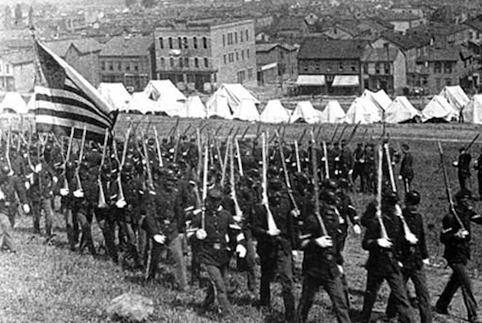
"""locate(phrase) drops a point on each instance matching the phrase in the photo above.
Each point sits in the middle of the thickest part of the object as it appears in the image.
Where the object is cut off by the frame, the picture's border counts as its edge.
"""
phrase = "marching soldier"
(213, 238)
(413, 259)
(463, 168)
(321, 258)
(456, 236)
(384, 257)
(406, 168)
(276, 242)
(359, 166)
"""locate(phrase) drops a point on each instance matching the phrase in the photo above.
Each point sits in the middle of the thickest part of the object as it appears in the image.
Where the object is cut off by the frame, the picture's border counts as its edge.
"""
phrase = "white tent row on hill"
(473, 110)
(439, 109)
(168, 98)
(13, 103)
(364, 111)
(305, 112)
(333, 113)
(274, 112)
(234, 94)
(379, 98)
(455, 96)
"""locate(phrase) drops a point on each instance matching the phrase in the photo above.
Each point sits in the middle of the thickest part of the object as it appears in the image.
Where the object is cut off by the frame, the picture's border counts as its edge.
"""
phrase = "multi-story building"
(17, 71)
(128, 60)
(331, 66)
(276, 62)
(203, 54)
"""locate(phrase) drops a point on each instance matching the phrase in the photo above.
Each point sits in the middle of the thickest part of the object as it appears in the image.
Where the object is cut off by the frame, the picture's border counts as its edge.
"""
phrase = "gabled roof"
(19, 58)
(322, 48)
(437, 29)
(266, 47)
(406, 42)
(380, 55)
(121, 46)
(454, 53)
(84, 46)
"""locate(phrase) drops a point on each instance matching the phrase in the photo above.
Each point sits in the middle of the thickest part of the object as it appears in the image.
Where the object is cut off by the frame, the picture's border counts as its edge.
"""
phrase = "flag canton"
(53, 74)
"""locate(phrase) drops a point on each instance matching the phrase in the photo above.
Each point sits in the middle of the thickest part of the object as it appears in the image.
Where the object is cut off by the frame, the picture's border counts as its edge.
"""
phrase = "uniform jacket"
(413, 255)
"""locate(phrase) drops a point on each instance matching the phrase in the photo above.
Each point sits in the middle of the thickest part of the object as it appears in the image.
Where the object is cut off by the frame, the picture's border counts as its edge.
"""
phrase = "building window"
(235, 38)
(241, 36)
(162, 61)
(353, 68)
(102, 66)
(136, 67)
(237, 56)
(185, 42)
(171, 61)
(119, 66)
(161, 42)
(194, 42)
(205, 42)
(242, 54)
(340, 66)
(225, 59)
(247, 35)
(111, 66)
(365, 67)
(437, 67)
(247, 53)
(437, 83)
(230, 39)
(377, 68)
(250, 73)
(186, 61)
(448, 67)
(181, 62)
(196, 61)
(386, 67)
(206, 62)
(170, 42)
(224, 40)
(317, 67)
(128, 66)
(179, 42)
(448, 81)
(231, 57)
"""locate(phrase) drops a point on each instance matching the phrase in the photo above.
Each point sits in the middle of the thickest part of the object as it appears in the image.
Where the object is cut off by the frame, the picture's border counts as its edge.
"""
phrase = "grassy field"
(49, 283)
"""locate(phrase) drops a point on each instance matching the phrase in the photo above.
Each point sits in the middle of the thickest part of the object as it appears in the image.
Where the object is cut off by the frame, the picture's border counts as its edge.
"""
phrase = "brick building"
(128, 60)
(331, 66)
(203, 54)
(275, 62)
(17, 71)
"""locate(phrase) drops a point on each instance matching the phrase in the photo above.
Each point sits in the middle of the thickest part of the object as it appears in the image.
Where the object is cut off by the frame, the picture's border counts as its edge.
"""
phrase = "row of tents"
(233, 101)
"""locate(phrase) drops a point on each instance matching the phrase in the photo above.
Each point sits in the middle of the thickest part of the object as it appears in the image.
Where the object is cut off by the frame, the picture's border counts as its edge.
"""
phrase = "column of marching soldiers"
(262, 200)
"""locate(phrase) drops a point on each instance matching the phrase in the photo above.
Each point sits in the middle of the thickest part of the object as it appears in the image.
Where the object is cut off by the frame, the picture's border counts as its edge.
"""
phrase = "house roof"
(475, 23)
(266, 47)
(398, 16)
(83, 45)
(19, 57)
(121, 46)
(380, 55)
(406, 42)
(453, 54)
(322, 48)
(437, 29)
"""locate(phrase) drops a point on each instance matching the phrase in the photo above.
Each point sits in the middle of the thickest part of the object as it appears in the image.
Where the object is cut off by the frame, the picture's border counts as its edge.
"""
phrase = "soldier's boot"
(289, 302)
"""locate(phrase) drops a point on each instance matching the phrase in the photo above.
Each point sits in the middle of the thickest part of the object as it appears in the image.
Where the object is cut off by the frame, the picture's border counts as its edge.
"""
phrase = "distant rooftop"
(322, 48)
(125, 46)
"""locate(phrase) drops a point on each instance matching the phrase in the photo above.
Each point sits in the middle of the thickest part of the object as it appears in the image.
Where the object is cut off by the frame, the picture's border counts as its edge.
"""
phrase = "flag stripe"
(58, 96)
(68, 115)
(70, 86)
(69, 123)
(60, 130)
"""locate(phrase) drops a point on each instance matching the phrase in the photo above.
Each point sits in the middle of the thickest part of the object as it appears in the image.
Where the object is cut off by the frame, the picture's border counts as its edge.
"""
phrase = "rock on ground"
(130, 307)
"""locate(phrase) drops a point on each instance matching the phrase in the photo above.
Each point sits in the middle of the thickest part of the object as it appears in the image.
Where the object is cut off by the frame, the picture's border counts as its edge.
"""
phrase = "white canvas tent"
(115, 94)
(333, 113)
(305, 112)
(380, 98)
(169, 98)
(401, 110)
(438, 108)
(234, 93)
(247, 111)
(274, 112)
(13, 103)
(140, 102)
(193, 108)
(363, 110)
(217, 107)
(455, 96)
(473, 110)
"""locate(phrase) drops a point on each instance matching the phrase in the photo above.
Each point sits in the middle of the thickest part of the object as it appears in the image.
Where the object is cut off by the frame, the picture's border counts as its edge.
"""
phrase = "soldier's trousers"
(107, 223)
(71, 226)
(417, 276)
(479, 180)
(359, 171)
(464, 180)
(398, 291)
(44, 204)
(217, 288)
(280, 266)
(459, 278)
(85, 216)
(334, 288)
(6, 238)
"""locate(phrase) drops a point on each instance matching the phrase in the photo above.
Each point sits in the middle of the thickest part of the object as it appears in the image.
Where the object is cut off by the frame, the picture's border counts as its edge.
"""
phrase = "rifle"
(158, 148)
(447, 187)
(302, 136)
(378, 214)
(205, 186)
(238, 155)
(409, 236)
(353, 132)
(342, 132)
(225, 163)
(472, 142)
(101, 203)
(236, 132)
(297, 153)
(174, 128)
(186, 130)
(334, 132)
(244, 133)
(286, 175)
(150, 181)
(237, 208)
(217, 130)
(327, 166)
(7, 150)
(272, 228)
(79, 192)
(316, 188)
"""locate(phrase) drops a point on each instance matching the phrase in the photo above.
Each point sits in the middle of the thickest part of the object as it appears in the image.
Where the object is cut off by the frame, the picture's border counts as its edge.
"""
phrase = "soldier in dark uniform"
(359, 166)
(413, 258)
(275, 245)
(213, 253)
(320, 261)
(370, 169)
(384, 257)
(478, 168)
(406, 168)
(68, 184)
(346, 160)
(456, 236)
(463, 168)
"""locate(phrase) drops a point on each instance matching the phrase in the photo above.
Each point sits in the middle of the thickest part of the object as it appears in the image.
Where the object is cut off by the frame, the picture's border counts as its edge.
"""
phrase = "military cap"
(390, 196)
(412, 198)
(215, 193)
(463, 195)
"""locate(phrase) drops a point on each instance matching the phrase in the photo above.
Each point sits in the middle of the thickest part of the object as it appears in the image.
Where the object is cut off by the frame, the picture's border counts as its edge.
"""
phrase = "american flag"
(65, 100)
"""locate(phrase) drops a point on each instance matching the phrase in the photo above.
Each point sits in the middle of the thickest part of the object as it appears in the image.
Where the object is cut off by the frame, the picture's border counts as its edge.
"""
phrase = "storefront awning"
(346, 80)
(269, 66)
(311, 80)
